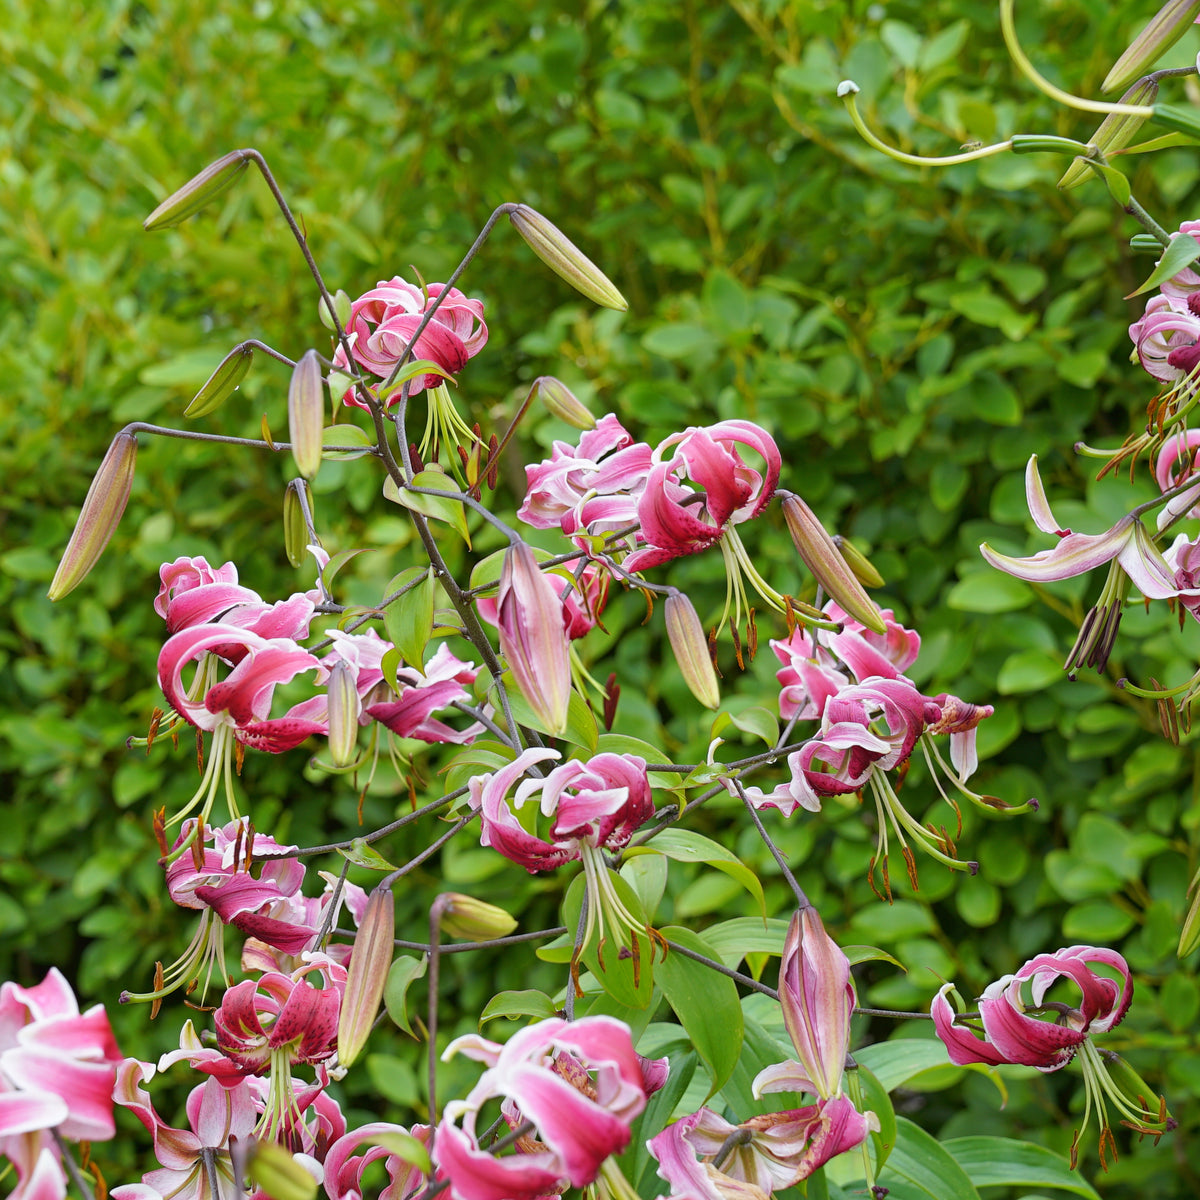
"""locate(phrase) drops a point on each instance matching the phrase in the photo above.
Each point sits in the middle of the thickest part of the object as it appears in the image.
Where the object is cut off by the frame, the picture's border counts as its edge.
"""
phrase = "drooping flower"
(1127, 542)
(57, 1068)
(383, 321)
(1022, 1025)
(580, 1085)
(704, 1157)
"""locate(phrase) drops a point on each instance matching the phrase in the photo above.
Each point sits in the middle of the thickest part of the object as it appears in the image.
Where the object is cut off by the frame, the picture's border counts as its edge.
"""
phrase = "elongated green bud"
(306, 414)
(1166, 27)
(562, 403)
(1189, 935)
(1181, 120)
(340, 318)
(99, 516)
(198, 191)
(344, 707)
(830, 569)
(295, 529)
(1116, 131)
(473, 920)
(564, 258)
(369, 966)
(690, 648)
(858, 562)
(222, 383)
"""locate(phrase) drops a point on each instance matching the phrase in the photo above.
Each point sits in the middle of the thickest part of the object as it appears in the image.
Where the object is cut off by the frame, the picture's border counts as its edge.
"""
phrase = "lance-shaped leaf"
(306, 413)
(532, 638)
(99, 517)
(369, 967)
(222, 383)
(564, 258)
(198, 191)
(690, 648)
(1164, 29)
(1115, 133)
(829, 568)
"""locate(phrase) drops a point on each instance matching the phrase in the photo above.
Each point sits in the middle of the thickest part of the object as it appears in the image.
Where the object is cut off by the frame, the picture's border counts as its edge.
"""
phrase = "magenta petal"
(86, 1086)
(964, 1047)
(25, 1111)
(476, 1175)
(280, 734)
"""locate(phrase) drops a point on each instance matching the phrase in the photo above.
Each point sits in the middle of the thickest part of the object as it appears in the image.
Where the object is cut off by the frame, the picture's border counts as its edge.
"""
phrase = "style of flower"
(579, 1083)
(383, 321)
(1020, 1025)
(57, 1068)
(234, 709)
(704, 1157)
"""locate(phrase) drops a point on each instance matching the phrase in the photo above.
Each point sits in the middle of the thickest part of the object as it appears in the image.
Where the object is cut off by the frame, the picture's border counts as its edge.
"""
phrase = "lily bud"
(340, 317)
(369, 966)
(817, 996)
(473, 920)
(275, 1172)
(198, 191)
(690, 648)
(306, 414)
(222, 383)
(565, 259)
(296, 537)
(858, 562)
(533, 641)
(823, 559)
(562, 403)
(1115, 133)
(1165, 28)
(344, 707)
(1135, 1089)
(99, 516)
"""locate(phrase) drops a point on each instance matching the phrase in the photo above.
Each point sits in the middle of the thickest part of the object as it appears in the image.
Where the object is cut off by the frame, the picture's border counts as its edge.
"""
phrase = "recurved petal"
(1039, 506)
(964, 1047)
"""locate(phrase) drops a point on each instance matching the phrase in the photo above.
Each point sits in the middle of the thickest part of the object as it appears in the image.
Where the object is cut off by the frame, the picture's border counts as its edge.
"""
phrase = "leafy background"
(909, 336)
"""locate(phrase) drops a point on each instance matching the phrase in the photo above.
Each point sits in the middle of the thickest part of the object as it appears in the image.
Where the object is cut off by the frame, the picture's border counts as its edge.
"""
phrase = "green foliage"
(910, 338)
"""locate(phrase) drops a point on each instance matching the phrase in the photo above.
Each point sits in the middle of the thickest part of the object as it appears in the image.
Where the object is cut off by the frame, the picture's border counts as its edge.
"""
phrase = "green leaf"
(920, 1064)
(336, 563)
(362, 854)
(874, 1098)
(405, 971)
(345, 435)
(408, 620)
(628, 980)
(990, 592)
(529, 1003)
(706, 1004)
(921, 1162)
(404, 1146)
(1006, 1162)
(684, 846)
(678, 341)
(734, 939)
(1180, 253)
(411, 371)
(438, 508)
(657, 1115)
(1116, 182)
(1028, 671)
(581, 727)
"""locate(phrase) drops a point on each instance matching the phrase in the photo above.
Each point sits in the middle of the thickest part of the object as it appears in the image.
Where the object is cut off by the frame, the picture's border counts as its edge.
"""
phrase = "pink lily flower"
(1127, 542)
(1175, 465)
(1184, 558)
(781, 1149)
(1186, 283)
(578, 1082)
(382, 323)
(443, 682)
(1011, 1035)
(817, 996)
(56, 1065)
(344, 1167)
(282, 931)
(216, 1115)
(1165, 338)
(532, 639)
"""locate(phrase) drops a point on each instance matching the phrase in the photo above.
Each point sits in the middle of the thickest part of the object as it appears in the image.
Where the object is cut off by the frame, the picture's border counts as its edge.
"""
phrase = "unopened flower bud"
(344, 707)
(1115, 133)
(296, 537)
(1152, 1107)
(277, 1173)
(99, 516)
(1165, 28)
(858, 562)
(562, 403)
(471, 919)
(823, 559)
(369, 966)
(340, 317)
(565, 259)
(690, 648)
(198, 191)
(222, 383)
(306, 414)
(534, 643)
